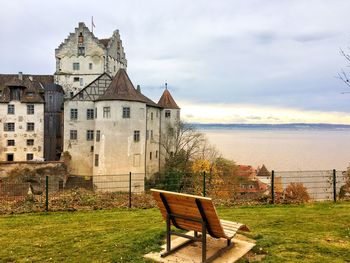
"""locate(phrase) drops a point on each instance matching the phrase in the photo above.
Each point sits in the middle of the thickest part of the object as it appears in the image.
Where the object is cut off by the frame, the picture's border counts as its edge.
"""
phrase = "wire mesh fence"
(40, 193)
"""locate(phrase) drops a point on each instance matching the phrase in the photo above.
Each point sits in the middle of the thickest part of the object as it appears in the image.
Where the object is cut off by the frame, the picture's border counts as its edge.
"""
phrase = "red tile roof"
(166, 101)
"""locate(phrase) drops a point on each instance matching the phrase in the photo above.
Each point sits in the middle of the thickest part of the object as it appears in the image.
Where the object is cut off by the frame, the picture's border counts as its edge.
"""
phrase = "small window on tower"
(90, 66)
(167, 113)
(81, 51)
(81, 38)
(76, 79)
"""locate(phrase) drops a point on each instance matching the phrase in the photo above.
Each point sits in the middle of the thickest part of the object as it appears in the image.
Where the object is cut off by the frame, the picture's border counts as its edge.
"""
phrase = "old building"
(90, 109)
(82, 58)
(111, 128)
(22, 118)
(29, 107)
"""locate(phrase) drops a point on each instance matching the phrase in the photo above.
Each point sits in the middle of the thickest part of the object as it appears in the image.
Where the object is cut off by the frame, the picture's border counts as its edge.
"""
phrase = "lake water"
(284, 149)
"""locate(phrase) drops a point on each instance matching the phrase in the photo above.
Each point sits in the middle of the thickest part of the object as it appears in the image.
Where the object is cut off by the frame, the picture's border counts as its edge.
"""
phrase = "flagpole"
(92, 24)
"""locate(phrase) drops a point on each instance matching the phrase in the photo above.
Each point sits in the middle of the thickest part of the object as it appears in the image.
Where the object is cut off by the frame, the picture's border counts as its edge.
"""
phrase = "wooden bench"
(194, 213)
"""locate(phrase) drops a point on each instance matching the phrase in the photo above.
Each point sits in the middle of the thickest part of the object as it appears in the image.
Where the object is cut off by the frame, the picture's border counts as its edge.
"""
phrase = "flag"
(92, 24)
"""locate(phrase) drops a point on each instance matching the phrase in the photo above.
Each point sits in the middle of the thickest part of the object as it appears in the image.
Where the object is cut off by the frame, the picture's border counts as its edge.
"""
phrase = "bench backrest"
(185, 206)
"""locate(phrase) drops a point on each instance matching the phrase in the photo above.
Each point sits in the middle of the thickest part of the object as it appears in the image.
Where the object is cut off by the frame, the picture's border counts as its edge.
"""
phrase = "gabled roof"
(166, 101)
(121, 88)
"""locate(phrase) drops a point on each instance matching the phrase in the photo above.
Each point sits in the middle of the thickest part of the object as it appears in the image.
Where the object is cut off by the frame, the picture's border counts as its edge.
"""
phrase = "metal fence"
(28, 194)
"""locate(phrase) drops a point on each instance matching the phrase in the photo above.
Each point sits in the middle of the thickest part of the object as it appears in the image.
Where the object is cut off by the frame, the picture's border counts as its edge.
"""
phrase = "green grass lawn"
(309, 233)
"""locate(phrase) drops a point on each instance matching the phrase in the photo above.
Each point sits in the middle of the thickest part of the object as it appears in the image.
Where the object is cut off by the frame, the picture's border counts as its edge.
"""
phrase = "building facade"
(111, 128)
(81, 58)
(22, 119)
(31, 117)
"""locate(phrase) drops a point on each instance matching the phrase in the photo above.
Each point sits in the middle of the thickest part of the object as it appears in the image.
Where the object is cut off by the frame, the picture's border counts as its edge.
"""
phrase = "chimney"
(20, 75)
(138, 88)
(30, 78)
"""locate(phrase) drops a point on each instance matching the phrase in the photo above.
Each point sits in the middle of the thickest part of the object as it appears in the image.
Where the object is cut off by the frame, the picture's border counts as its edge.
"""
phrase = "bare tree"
(343, 75)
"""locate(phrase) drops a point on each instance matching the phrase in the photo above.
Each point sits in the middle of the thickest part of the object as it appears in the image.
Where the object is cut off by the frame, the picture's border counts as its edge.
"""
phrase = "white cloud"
(226, 113)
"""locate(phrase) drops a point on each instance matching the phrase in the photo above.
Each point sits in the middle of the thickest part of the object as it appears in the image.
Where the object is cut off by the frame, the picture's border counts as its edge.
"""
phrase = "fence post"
(204, 183)
(47, 193)
(334, 185)
(273, 186)
(129, 189)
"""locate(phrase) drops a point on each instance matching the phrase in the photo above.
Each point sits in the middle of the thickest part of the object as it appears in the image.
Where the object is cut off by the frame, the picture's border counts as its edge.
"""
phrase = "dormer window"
(29, 94)
(81, 38)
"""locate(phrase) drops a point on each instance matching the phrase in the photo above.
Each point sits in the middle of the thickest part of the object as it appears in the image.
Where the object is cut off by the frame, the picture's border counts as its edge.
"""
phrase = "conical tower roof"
(121, 88)
(263, 171)
(166, 101)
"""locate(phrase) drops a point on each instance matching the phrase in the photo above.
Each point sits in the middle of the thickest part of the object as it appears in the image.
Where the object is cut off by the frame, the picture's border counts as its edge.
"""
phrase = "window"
(167, 113)
(126, 112)
(30, 109)
(80, 38)
(30, 126)
(76, 66)
(73, 114)
(81, 51)
(156, 154)
(136, 136)
(95, 113)
(30, 142)
(71, 94)
(10, 142)
(96, 160)
(147, 134)
(89, 135)
(9, 126)
(73, 134)
(10, 157)
(150, 155)
(81, 82)
(178, 114)
(10, 109)
(92, 148)
(30, 156)
(76, 79)
(98, 135)
(90, 114)
(29, 94)
(151, 134)
(81, 95)
(90, 66)
(151, 115)
(106, 112)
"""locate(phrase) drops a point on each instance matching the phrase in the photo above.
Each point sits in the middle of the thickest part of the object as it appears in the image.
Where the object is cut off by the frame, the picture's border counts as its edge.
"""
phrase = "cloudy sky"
(246, 61)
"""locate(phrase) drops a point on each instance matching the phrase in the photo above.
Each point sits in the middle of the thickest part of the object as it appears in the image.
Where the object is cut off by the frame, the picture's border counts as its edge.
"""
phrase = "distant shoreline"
(288, 126)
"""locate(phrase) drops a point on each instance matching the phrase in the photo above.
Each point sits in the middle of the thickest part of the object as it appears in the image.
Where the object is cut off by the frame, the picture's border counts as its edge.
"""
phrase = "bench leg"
(168, 235)
(204, 242)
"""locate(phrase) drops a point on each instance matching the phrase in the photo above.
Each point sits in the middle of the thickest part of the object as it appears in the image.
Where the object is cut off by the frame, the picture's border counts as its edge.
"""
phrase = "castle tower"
(170, 116)
(82, 57)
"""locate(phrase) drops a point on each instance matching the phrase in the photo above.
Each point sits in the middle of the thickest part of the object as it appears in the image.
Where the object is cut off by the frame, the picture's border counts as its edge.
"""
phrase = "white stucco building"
(82, 57)
(21, 118)
(111, 128)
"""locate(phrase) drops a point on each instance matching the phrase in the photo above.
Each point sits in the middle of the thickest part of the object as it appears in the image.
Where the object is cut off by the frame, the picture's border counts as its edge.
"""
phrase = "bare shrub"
(296, 193)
